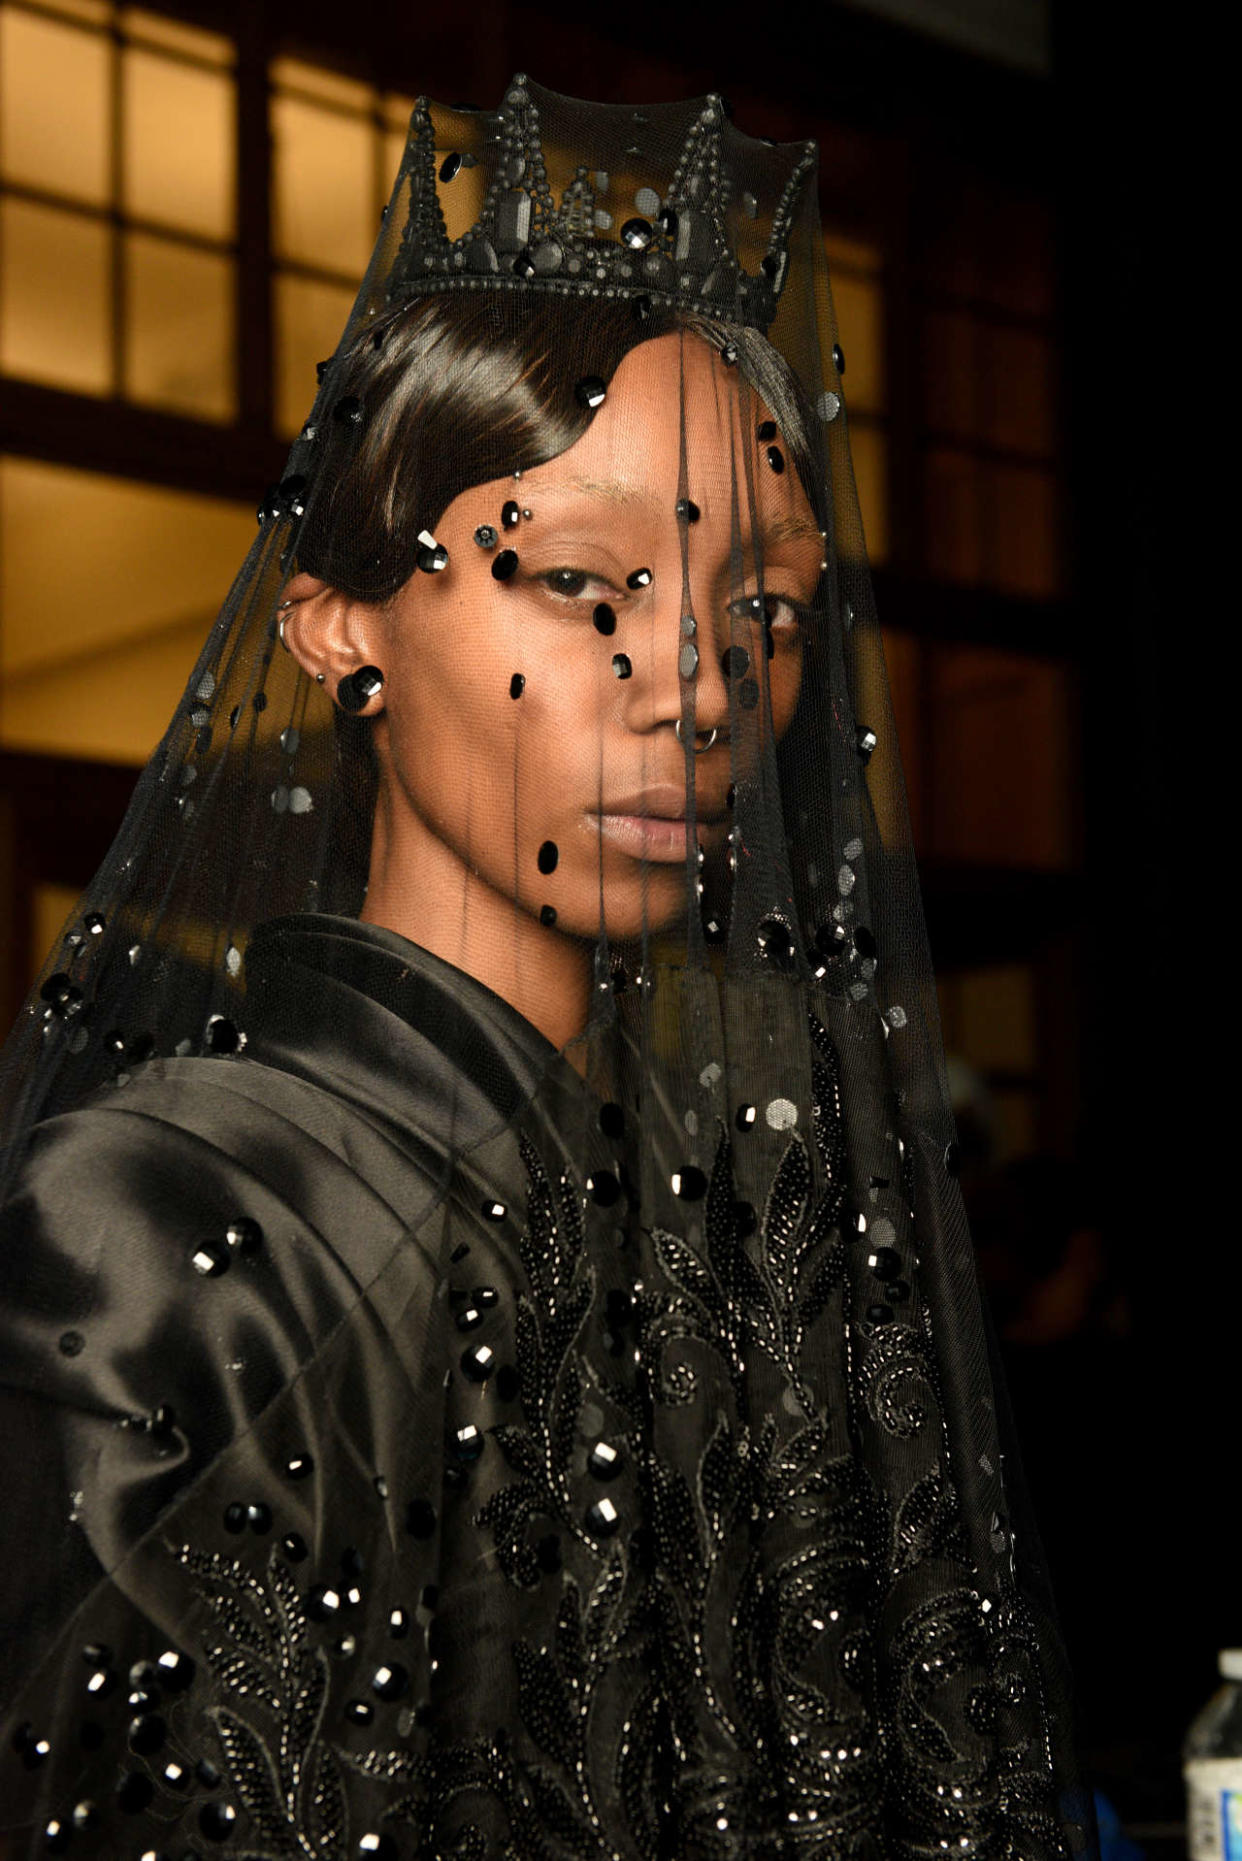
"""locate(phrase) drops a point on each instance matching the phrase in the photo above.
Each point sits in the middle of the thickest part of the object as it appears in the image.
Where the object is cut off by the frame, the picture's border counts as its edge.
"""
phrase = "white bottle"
(1212, 1767)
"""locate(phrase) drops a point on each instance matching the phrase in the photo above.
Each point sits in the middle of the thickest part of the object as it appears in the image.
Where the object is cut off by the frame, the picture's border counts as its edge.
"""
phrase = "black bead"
(505, 564)
(548, 856)
(235, 1517)
(603, 1188)
(775, 942)
(864, 942)
(605, 619)
(478, 1362)
(210, 1259)
(147, 1733)
(885, 1262)
(467, 1443)
(517, 684)
(547, 914)
(244, 1236)
(348, 411)
(259, 1519)
(776, 459)
(377, 1848)
(603, 1519)
(590, 391)
(612, 1120)
(511, 514)
(636, 234)
(767, 429)
(450, 166)
(880, 1314)
(223, 1035)
(299, 1467)
(688, 509)
(865, 741)
(390, 1682)
(689, 1183)
(398, 1624)
(638, 578)
(838, 357)
(431, 558)
(621, 665)
(735, 661)
(295, 1547)
(605, 1461)
(216, 1821)
(359, 1711)
(420, 1518)
(176, 1671)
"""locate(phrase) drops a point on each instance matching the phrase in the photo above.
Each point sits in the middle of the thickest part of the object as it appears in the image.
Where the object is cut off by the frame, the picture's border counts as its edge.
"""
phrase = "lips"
(650, 823)
(663, 801)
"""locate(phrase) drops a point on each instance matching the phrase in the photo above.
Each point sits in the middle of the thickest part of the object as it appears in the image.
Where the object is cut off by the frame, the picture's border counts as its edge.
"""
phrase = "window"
(118, 206)
(99, 638)
(855, 270)
(987, 369)
(336, 144)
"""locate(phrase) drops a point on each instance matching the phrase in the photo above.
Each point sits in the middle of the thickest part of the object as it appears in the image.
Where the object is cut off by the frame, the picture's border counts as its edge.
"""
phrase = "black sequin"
(638, 578)
(688, 510)
(776, 459)
(510, 514)
(591, 391)
(505, 564)
(517, 684)
(548, 856)
(621, 665)
(865, 741)
(547, 914)
(605, 619)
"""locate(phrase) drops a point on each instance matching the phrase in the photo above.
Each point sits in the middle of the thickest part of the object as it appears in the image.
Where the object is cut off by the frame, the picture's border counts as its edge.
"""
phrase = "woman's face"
(531, 733)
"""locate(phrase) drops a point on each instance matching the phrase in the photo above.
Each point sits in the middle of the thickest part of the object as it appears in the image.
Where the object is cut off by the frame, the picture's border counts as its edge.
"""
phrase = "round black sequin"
(323, 1602)
(398, 1624)
(603, 1188)
(746, 1117)
(838, 357)
(748, 694)
(548, 856)
(216, 1821)
(299, 1467)
(636, 234)
(865, 741)
(689, 1183)
(864, 942)
(295, 1548)
(621, 665)
(776, 459)
(389, 1683)
(431, 558)
(505, 564)
(259, 1518)
(359, 1711)
(605, 1461)
(590, 391)
(638, 578)
(244, 1236)
(880, 1314)
(510, 514)
(485, 536)
(210, 1259)
(885, 1262)
(602, 1518)
(766, 429)
(223, 1035)
(374, 1847)
(176, 1671)
(450, 166)
(605, 619)
(420, 1518)
(468, 1443)
(71, 1343)
(612, 1119)
(478, 1362)
(517, 684)
(235, 1517)
(547, 914)
(147, 1733)
(469, 1318)
(775, 942)
(735, 661)
(688, 510)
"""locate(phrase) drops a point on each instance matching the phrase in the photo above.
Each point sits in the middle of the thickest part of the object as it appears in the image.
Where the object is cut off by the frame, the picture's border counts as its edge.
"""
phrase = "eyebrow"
(793, 528)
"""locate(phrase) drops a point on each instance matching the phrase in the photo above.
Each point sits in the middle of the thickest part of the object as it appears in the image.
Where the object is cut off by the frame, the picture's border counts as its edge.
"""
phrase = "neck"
(423, 890)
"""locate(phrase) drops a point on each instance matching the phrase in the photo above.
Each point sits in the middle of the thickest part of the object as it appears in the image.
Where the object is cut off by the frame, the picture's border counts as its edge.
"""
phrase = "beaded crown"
(716, 195)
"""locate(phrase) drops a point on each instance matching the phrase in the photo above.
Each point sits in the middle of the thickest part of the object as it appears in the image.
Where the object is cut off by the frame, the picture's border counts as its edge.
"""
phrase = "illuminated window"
(99, 639)
(336, 145)
(118, 205)
(855, 271)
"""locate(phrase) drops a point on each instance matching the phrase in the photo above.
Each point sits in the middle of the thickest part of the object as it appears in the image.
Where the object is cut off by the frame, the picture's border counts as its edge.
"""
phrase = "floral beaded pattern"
(741, 1618)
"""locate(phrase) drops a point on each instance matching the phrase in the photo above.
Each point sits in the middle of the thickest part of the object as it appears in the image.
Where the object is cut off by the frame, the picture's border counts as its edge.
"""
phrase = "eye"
(572, 584)
(772, 610)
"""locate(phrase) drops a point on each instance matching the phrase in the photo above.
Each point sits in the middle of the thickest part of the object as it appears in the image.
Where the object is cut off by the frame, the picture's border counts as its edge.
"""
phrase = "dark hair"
(451, 391)
(454, 390)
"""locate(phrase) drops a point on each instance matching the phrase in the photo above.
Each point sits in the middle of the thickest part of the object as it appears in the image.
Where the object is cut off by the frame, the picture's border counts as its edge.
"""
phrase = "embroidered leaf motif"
(546, 1706)
(253, 1775)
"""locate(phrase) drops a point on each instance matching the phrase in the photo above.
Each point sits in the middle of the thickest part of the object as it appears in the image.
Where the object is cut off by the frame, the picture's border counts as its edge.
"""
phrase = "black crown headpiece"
(694, 187)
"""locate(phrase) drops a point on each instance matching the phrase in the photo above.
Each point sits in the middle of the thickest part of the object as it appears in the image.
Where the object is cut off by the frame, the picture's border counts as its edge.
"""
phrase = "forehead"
(633, 444)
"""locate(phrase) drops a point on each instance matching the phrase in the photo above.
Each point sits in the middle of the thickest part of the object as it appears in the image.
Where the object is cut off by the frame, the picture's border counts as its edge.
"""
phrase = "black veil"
(816, 1592)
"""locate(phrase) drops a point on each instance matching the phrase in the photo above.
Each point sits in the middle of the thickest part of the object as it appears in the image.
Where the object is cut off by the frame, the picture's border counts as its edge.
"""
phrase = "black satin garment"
(377, 1482)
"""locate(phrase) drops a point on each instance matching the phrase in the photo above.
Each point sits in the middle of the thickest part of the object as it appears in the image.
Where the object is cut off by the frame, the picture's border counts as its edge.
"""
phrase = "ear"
(331, 634)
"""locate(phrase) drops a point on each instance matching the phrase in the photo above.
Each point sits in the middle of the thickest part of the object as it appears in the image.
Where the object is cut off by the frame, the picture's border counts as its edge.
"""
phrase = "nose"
(679, 675)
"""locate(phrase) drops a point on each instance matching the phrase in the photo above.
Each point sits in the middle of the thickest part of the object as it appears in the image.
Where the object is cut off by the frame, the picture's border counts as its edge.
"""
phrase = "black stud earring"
(356, 689)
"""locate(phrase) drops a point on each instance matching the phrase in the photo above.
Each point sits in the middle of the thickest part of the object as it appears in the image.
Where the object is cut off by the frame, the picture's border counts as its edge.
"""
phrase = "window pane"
(310, 318)
(1001, 759)
(953, 516)
(1019, 364)
(55, 297)
(324, 187)
(53, 106)
(314, 81)
(178, 327)
(951, 374)
(100, 638)
(212, 47)
(1024, 526)
(859, 306)
(178, 144)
